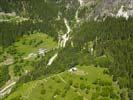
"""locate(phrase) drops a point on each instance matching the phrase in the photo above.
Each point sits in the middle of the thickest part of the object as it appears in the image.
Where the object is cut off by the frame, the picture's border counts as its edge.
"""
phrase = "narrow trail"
(7, 89)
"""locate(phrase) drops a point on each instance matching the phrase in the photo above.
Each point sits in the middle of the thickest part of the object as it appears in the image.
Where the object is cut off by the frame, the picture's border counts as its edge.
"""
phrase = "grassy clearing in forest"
(33, 42)
(86, 83)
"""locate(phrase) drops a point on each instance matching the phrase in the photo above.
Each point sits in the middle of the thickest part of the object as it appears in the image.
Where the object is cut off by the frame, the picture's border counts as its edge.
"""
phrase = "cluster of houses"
(40, 52)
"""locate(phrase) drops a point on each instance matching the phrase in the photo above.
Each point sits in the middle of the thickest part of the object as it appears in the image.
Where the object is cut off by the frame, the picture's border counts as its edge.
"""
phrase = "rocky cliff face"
(101, 8)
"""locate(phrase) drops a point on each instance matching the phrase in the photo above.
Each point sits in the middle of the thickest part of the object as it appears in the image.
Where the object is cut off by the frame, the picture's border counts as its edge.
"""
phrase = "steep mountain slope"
(102, 8)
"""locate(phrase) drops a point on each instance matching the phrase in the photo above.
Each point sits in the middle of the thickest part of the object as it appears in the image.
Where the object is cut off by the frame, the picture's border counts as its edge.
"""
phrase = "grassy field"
(86, 83)
(33, 42)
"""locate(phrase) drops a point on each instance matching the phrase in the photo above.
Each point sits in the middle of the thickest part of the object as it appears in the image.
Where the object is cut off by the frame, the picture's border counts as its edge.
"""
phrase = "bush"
(70, 82)
(88, 87)
(81, 78)
(113, 95)
(57, 92)
(63, 94)
(76, 85)
(87, 91)
(82, 86)
(123, 95)
(50, 87)
(43, 91)
(67, 87)
(105, 92)
(94, 96)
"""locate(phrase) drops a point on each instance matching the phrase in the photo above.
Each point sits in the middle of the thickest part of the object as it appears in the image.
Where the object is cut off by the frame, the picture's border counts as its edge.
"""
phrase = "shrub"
(105, 92)
(70, 82)
(82, 86)
(43, 91)
(87, 91)
(76, 85)
(57, 92)
(113, 95)
(67, 87)
(88, 87)
(81, 78)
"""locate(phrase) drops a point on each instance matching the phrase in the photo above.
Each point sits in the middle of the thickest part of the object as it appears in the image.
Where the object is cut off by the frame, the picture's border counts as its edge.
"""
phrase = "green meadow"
(86, 83)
